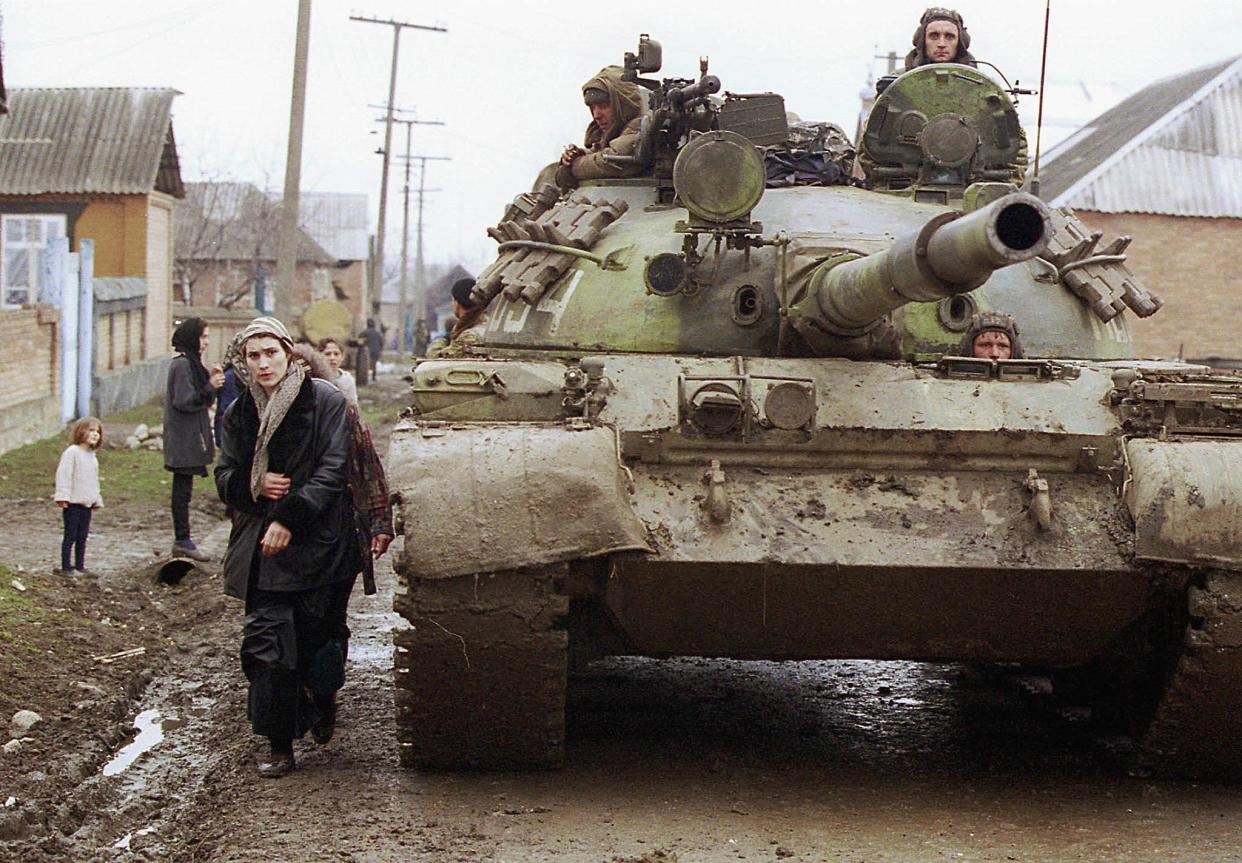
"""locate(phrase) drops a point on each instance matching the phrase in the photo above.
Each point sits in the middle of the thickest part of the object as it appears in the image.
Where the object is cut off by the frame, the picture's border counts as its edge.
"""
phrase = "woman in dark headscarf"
(188, 445)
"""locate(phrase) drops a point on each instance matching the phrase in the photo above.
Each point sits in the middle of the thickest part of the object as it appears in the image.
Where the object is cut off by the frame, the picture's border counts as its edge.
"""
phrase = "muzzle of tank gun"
(951, 254)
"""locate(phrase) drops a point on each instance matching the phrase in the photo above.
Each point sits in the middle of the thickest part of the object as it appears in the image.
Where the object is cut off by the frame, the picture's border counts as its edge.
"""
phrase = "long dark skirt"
(294, 646)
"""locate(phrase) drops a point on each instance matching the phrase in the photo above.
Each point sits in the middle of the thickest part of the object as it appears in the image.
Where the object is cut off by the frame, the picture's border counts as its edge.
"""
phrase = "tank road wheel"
(480, 677)
(1197, 727)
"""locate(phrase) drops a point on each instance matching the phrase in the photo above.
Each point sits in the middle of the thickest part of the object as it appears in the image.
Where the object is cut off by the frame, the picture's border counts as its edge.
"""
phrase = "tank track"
(480, 676)
(1197, 727)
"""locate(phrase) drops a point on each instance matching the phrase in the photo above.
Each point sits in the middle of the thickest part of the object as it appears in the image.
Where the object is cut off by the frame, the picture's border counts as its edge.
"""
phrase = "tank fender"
(1186, 501)
(484, 497)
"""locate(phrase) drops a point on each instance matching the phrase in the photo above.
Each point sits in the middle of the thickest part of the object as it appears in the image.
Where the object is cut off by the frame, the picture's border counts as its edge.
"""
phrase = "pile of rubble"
(146, 437)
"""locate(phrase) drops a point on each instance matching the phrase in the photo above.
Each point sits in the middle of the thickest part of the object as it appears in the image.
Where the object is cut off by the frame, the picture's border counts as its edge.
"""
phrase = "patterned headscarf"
(272, 409)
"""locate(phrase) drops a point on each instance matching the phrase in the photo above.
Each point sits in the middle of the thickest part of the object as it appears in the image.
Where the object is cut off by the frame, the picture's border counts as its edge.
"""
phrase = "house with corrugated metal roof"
(227, 234)
(340, 223)
(1165, 167)
(96, 164)
(226, 239)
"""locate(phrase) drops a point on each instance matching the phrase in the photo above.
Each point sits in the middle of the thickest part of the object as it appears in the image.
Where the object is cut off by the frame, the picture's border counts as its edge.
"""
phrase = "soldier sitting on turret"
(992, 336)
(616, 108)
(941, 37)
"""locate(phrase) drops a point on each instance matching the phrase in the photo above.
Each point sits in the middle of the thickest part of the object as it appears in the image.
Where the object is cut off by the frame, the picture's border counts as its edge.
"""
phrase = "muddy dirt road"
(687, 760)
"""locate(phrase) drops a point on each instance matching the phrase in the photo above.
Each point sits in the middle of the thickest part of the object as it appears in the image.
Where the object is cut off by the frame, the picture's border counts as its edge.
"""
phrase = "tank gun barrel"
(951, 254)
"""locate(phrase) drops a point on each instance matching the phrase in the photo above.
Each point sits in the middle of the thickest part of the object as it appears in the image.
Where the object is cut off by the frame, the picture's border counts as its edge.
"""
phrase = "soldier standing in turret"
(941, 37)
(616, 108)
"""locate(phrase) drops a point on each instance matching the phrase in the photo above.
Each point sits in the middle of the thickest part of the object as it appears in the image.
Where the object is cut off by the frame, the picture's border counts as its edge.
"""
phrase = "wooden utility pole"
(420, 287)
(377, 272)
(403, 295)
(287, 251)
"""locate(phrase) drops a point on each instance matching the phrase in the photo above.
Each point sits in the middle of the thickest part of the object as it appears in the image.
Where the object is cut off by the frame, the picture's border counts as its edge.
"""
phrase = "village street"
(682, 760)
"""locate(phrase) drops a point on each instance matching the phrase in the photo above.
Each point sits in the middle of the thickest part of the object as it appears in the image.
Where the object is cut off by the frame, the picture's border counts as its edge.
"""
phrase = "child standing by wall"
(77, 491)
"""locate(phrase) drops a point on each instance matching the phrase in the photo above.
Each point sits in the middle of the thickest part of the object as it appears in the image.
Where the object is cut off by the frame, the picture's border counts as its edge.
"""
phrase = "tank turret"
(850, 296)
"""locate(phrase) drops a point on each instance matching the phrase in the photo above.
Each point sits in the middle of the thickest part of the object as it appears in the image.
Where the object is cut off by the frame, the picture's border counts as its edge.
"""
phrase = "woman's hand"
(275, 539)
(216, 378)
(63, 504)
(379, 545)
(274, 486)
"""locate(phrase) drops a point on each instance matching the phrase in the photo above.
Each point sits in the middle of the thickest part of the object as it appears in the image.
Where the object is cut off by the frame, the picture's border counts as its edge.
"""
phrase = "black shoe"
(274, 766)
(325, 725)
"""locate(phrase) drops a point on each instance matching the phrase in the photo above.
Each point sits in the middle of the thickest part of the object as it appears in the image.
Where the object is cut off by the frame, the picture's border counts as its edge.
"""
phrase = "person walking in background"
(230, 389)
(344, 381)
(77, 492)
(188, 445)
(374, 338)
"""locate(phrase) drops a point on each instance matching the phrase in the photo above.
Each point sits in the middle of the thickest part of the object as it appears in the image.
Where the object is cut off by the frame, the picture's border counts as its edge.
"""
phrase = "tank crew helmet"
(596, 96)
(998, 322)
(940, 13)
(918, 54)
(461, 293)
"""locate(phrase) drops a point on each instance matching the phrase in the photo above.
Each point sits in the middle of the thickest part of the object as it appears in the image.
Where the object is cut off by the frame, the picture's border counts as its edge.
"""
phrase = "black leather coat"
(312, 447)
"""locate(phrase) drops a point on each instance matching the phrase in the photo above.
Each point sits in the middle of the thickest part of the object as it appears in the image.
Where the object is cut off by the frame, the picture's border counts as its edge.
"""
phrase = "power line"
(377, 273)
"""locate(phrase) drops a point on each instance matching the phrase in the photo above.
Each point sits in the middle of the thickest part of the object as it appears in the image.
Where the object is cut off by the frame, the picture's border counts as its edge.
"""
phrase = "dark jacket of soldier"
(626, 98)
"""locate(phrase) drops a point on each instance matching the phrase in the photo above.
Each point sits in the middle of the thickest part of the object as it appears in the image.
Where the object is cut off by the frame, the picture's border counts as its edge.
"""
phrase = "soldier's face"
(602, 115)
(940, 41)
(991, 345)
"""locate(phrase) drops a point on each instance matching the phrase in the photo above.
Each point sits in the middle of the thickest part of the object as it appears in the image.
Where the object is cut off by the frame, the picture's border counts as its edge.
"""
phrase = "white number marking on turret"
(515, 321)
(557, 307)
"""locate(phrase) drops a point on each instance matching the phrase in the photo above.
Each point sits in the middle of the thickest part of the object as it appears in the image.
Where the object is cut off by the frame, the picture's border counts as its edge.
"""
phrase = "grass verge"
(125, 476)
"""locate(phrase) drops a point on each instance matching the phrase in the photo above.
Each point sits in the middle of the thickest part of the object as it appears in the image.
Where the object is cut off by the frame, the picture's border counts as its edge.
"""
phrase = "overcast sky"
(506, 77)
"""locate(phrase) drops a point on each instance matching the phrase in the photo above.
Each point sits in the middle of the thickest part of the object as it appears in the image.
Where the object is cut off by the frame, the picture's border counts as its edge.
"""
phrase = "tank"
(718, 410)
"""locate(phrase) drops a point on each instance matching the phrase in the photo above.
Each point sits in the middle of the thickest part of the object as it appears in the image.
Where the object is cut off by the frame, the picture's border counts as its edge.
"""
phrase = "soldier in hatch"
(941, 37)
(616, 108)
(469, 326)
(992, 336)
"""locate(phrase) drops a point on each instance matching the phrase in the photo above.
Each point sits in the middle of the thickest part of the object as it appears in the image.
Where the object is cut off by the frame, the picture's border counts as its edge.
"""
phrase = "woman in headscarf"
(293, 552)
(188, 448)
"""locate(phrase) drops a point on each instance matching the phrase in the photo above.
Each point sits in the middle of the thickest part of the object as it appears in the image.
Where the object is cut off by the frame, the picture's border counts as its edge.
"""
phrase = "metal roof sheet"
(1174, 147)
(338, 221)
(107, 140)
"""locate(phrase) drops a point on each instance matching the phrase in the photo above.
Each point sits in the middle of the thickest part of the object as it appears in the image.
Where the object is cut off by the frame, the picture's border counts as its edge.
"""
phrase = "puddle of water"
(123, 842)
(150, 732)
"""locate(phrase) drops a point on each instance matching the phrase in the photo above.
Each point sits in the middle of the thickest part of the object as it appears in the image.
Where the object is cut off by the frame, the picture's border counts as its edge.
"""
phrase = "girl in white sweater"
(77, 491)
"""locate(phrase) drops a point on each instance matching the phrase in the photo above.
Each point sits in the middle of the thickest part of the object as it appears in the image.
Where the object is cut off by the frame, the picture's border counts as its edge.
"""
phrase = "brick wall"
(119, 340)
(1195, 266)
(29, 353)
(29, 387)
